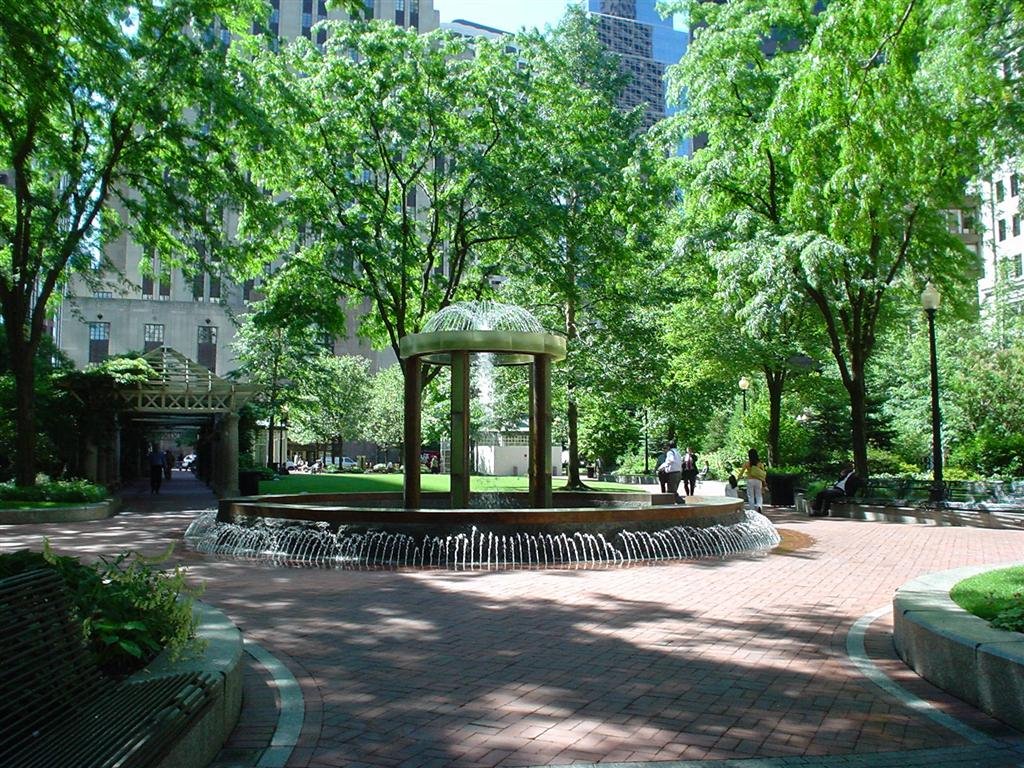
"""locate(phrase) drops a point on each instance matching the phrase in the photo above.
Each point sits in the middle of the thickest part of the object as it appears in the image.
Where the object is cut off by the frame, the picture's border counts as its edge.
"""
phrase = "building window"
(206, 347)
(1018, 267)
(247, 289)
(1000, 191)
(1014, 185)
(414, 13)
(99, 342)
(152, 336)
(147, 287)
(214, 287)
(165, 288)
(1001, 229)
(1015, 228)
(199, 287)
(368, 8)
(102, 294)
(400, 12)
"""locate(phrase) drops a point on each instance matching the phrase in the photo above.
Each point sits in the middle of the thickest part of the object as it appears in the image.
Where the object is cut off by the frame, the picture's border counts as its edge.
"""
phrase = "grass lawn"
(987, 594)
(351, 483)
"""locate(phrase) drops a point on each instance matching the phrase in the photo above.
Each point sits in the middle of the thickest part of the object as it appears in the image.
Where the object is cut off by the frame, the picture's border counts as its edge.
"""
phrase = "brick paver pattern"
(712, 660)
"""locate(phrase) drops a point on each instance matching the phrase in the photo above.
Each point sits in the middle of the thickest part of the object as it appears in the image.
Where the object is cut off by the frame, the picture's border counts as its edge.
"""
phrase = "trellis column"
(412, 428)
(460, 430)
(540, 432)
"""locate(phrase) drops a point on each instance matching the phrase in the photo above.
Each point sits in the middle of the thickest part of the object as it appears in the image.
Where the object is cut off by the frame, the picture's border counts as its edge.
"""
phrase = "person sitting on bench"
(845, 486)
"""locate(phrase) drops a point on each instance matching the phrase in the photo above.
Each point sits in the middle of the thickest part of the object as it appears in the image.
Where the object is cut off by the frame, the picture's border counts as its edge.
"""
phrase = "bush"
(883, 462)
(81, 491)
(331, 469)
(128, 610)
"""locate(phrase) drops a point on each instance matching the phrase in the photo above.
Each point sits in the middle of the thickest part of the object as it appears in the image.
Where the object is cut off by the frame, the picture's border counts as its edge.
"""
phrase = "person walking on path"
(690, 471)
(672, 466)
(756, 474)
(156, 468)
(168, 464)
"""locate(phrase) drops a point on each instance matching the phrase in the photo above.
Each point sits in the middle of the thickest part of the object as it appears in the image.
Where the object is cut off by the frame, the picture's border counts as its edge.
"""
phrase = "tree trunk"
(858, 417)
(270, 441)
(775, 380)
(573, 481)
(23, 366)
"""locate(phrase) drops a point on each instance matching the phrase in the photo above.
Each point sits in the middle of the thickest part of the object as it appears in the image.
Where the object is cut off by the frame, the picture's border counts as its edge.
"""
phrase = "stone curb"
(217, 649)
(957, 651)
(78, 513)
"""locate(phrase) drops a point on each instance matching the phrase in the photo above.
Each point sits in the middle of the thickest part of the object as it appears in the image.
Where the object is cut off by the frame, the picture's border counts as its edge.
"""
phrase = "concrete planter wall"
(73, 513)
(218, 649)
(957, 651)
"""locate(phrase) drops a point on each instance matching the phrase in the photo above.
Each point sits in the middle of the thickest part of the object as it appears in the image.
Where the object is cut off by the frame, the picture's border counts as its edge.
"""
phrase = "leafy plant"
(128, 609)
(54, 490)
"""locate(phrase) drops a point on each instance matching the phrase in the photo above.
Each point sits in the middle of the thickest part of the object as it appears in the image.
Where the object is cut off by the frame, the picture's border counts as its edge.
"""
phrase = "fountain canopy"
(511, 333)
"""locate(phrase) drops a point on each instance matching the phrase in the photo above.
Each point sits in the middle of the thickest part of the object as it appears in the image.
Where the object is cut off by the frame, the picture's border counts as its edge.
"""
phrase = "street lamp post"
(930, 302)
(744, 386)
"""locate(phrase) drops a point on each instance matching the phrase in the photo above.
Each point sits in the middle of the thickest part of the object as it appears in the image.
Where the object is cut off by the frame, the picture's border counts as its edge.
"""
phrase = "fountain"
(415, 529)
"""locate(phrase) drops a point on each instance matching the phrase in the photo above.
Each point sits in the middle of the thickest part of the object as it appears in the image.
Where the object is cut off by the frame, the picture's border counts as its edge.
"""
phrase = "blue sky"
(503, 14)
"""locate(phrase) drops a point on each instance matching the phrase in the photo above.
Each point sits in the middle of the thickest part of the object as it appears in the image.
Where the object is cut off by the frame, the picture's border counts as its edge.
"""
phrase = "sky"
(509, 15)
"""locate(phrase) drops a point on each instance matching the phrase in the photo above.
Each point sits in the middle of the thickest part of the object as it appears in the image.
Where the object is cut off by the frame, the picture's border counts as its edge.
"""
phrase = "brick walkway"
(702, 661)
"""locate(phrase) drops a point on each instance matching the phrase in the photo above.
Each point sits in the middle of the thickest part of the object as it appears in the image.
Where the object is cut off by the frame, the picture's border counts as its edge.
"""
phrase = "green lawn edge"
(353, 483)
(988, 594)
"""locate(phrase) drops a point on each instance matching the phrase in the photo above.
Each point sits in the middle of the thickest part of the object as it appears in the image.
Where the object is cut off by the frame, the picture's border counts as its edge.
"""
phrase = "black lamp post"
(744, 386)
(930, 302)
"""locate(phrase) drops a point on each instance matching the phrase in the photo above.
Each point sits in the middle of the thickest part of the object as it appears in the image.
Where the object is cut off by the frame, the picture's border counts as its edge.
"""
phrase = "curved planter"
(957, 651)
(75, 513)
(218, 649)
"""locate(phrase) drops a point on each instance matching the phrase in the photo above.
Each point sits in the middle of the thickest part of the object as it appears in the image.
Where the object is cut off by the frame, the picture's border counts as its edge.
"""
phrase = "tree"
(283, 362)
(385, 413)
(835, 137)
(332, 404)
(596, 181)
(391, 198)
(112, 114)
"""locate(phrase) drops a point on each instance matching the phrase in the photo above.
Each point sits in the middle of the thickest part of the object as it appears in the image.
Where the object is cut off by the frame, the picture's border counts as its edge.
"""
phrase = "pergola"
(453, 346)
(183, 393)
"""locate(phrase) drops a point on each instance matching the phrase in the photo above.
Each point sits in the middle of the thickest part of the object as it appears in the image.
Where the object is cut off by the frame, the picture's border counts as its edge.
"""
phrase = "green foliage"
(116, 116)
(832, 156)
(129, 611)
(384, 419)
(70, 491)
(883, 462)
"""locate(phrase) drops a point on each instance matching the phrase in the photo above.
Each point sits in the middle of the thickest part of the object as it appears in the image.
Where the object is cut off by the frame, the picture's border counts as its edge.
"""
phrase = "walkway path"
(717, 660)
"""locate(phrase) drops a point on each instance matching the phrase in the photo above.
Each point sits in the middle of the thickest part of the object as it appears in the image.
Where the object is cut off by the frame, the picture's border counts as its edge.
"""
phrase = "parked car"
(347, 463)
(187, 462)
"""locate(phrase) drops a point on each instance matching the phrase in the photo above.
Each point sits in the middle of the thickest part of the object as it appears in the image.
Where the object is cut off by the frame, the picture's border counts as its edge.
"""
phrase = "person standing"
(672, 466)
(756, 475)
(690, 471)
(168, 464)
(156, 468)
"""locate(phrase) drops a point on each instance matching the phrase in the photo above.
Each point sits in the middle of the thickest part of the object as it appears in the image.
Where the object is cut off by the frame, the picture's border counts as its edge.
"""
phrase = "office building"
(1002, 239)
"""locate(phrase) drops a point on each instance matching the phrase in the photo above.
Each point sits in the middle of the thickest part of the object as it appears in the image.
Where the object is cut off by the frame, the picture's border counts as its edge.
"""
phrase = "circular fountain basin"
(373, 529)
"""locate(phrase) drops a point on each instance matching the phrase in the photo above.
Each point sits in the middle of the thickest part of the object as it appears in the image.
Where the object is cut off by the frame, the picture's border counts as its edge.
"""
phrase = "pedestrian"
(756, 475)
(846, 485)
(168, 464)
(156, 468)
(731, 489)
(689, 471)
(672, 466)
(435, 465)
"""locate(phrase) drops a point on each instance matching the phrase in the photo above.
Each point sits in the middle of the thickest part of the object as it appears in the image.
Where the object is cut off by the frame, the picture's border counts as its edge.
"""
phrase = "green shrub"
(129, 611)
(356, 470)
(883, 462)
(331, 469)
(70, 491)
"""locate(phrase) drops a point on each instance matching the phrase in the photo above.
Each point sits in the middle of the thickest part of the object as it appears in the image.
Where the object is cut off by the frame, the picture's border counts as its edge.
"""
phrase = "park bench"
(57, 708)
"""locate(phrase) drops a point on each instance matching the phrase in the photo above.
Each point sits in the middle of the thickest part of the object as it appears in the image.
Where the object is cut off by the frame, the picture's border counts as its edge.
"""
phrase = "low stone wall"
(956, 650)
(218, 649)
(73, 513)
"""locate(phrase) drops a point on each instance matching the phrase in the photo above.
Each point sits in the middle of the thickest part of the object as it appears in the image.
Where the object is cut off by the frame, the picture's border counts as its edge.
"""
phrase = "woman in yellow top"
(756, 474)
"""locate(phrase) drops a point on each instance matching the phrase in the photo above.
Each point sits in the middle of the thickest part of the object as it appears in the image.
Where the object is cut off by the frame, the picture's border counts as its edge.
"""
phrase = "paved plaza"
(745, 660)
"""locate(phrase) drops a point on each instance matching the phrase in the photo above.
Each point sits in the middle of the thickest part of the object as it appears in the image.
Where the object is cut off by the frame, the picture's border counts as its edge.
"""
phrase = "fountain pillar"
(540, 432)
(412, 432)
(460, 430)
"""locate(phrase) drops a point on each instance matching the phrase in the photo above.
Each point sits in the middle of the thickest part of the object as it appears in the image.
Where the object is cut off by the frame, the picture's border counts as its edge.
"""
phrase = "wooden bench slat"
(58, 710)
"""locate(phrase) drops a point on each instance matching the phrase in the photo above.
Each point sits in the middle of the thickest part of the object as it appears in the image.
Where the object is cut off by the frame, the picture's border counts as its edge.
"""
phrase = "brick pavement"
(729, 660)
